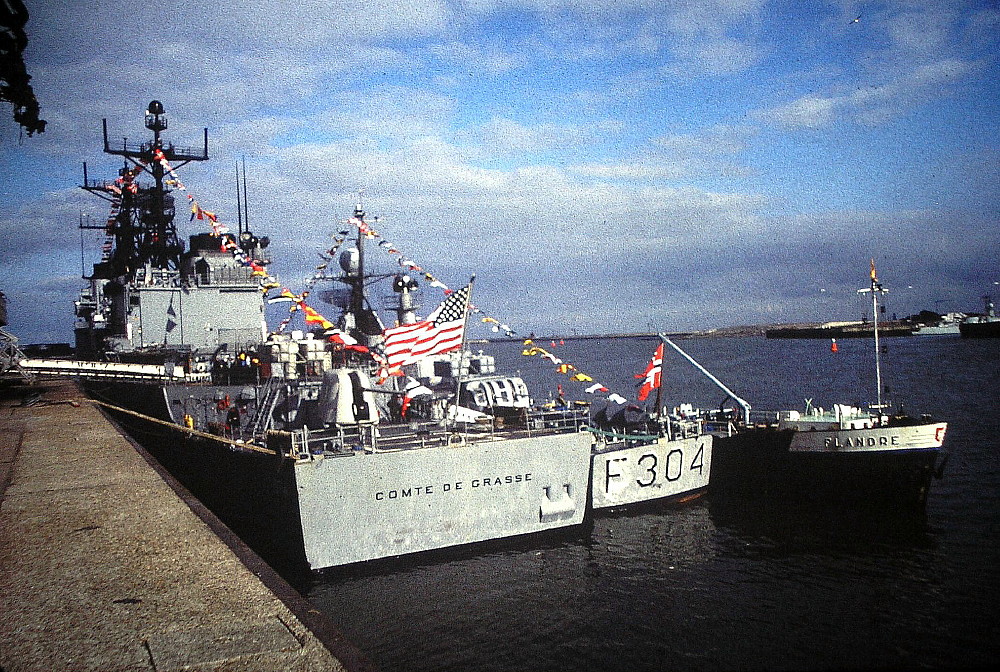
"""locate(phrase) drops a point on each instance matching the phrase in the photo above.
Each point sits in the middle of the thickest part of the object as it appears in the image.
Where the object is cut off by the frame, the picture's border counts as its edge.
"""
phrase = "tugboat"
(872, 456)
(986, 325)
(300, 440)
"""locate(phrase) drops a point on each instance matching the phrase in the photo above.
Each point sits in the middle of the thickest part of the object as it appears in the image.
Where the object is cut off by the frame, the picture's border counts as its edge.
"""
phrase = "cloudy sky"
(601, 166)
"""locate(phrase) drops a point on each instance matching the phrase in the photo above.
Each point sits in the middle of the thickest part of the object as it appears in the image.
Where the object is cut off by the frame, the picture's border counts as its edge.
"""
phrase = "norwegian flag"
(441, 332)
(651, 377)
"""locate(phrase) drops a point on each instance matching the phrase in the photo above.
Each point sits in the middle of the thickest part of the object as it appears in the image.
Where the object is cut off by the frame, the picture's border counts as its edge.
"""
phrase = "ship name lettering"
(418, 490)
(672, 470)
(404, 493)
(608, 475)
(497, 480)
(861, 442)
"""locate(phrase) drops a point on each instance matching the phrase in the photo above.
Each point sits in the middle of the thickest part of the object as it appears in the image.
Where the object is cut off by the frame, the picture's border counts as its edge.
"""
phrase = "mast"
(143, 220)
(357, 289)
(358, 318)
(246, 197)
(239, 202)
(461, 349)
(876, 289)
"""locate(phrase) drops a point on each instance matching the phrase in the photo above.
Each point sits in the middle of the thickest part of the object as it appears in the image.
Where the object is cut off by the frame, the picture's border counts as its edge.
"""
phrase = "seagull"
(856, 19)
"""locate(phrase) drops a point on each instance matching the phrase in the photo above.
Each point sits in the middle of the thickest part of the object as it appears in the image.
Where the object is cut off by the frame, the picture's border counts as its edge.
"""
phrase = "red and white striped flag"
(651, 376)
(441, 332)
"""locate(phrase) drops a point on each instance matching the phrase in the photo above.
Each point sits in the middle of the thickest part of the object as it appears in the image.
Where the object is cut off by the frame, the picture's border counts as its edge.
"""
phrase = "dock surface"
(104, 565)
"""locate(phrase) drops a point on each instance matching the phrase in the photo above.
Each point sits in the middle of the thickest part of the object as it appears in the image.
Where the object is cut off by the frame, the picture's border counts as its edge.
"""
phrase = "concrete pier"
(106, 564)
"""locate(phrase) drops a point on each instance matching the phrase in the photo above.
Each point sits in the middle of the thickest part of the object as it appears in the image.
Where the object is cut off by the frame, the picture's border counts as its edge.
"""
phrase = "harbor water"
(713, 584)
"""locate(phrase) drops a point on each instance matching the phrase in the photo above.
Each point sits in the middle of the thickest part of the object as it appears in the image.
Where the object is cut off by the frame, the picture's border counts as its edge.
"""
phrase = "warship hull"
(984, 329)
(333, 509)
(366, 506)
(661, 470)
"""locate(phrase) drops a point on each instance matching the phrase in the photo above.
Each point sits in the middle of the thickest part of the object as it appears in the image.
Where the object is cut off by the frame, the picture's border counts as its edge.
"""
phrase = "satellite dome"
(350, 261)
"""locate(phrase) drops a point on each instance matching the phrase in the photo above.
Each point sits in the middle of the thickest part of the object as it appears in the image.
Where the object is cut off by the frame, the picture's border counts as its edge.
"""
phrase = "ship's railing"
(568, 419)
(158, 277)
(107, 185)
(224, 275)
(304, 444)
(126, 148)
(535, 422)
(265, 407)
(645, 433)
(337, 441)
(722, 424)
(88, 369)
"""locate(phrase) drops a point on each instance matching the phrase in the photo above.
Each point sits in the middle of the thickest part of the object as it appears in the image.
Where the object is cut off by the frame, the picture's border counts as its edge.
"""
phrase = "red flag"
(338, 337)
(441, 332)
(651, 377)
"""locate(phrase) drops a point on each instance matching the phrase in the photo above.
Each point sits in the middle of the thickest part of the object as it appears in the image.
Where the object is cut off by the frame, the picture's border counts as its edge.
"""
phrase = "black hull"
(253, 493)
(979, 329)
(757, 464)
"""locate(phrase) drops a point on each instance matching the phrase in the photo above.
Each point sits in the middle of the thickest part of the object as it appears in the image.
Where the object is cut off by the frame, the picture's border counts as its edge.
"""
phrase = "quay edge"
(107, 564)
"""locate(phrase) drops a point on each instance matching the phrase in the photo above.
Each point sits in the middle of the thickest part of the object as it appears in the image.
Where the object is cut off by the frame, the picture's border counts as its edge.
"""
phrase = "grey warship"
(297, 438)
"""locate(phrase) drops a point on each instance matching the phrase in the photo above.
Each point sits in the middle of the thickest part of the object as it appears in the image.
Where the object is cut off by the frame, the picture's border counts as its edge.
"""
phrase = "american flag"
(441, 332)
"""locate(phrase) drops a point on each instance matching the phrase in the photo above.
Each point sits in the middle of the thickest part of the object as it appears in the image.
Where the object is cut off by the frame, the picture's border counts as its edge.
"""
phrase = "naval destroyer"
(300, 439)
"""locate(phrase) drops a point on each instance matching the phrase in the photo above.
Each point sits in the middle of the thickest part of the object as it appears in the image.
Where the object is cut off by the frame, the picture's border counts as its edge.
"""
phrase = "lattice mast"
(140, 228)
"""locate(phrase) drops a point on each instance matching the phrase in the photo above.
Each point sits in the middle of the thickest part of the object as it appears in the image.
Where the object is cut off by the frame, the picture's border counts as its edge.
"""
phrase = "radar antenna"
(142, 220)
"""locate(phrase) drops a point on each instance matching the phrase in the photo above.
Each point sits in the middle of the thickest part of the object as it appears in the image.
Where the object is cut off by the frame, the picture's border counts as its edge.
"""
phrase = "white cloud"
(806, 112)
(501, 136)
(475, 59)
(635, 170)
(714, 140)
(670, 157)
(877, 103)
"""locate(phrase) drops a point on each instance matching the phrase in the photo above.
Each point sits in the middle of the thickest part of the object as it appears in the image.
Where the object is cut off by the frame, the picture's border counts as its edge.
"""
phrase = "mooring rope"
(186, 430)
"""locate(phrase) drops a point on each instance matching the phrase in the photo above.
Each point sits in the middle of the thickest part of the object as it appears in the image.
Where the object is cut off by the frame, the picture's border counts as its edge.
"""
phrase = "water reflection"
(800, 527)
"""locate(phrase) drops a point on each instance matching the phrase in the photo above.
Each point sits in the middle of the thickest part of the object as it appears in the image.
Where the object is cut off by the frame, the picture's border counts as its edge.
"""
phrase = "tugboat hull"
(892, 465)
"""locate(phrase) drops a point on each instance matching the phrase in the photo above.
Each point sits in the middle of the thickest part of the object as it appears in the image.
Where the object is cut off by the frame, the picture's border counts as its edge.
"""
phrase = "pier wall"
(105, 564)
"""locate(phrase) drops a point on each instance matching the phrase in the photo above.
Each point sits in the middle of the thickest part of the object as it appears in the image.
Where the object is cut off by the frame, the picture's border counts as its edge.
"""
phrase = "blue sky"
(600, 166)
